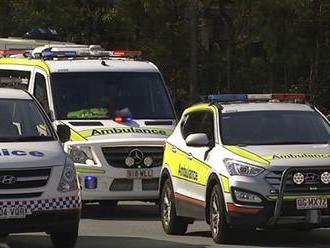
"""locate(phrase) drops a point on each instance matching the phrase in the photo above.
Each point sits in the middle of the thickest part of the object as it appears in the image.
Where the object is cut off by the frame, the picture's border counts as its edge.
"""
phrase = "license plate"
(13, 213)
(311, 203)
(139, 174)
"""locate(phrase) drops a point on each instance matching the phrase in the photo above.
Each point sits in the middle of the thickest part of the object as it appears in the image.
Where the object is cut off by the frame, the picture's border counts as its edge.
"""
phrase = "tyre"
(172, 224)
(219, 228)
(109, 203)
(64, 239)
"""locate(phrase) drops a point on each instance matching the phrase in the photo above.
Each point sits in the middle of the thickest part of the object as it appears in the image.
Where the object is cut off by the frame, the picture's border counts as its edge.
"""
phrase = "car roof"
(265, 106)
(6, 93)
(85, 65)
(98, 65)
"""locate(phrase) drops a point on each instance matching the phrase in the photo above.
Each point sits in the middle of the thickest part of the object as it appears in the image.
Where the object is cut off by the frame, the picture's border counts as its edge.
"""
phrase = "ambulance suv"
(38, 184)
(118, 109)
(247, 162)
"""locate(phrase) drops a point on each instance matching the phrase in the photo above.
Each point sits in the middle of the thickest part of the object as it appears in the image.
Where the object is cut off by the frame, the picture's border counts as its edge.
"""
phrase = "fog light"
(148, 161)
(90, 182)
(298, 178)
(129, 161)
(247, 197)
(325, 177)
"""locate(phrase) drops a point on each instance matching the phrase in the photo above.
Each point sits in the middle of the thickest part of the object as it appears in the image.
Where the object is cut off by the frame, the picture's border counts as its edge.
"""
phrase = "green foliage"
(253, 45)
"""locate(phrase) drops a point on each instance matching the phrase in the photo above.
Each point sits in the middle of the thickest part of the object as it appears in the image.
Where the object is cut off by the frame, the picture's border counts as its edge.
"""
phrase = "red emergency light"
(127, 53)
(289, 96)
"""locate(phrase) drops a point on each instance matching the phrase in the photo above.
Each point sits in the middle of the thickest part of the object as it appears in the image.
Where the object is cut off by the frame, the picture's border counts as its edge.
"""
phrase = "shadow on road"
(277, 238)
(36, 241)
(121, 212)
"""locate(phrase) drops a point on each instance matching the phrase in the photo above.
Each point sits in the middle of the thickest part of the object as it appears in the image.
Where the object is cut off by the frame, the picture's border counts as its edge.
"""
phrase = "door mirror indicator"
(198, 140)
(64, 133)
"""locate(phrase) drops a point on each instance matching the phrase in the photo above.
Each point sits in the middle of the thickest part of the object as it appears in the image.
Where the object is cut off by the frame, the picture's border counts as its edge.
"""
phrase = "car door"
(198, 157)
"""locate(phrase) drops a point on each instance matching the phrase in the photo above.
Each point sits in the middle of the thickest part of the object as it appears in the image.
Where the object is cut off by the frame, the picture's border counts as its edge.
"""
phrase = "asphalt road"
(137, 225)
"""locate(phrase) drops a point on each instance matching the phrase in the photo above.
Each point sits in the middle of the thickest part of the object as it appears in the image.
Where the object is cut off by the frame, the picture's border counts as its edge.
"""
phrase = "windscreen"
(274, 128)
(22, 120)
(103, 95)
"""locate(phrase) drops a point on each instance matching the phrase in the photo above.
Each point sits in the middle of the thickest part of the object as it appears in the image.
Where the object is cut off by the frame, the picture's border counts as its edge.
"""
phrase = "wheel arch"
(213, 180)
(165, 174)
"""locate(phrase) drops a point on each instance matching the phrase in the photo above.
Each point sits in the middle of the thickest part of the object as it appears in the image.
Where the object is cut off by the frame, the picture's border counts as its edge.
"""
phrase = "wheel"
(172, 224)
(109, 203)
(64, 239)
(219, 228)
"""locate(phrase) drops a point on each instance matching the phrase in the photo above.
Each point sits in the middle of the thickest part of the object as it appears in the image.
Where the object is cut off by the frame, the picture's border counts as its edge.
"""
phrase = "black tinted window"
(14, 79)
(101, 95)
(40, 91)
(274, 127)
(198, 122)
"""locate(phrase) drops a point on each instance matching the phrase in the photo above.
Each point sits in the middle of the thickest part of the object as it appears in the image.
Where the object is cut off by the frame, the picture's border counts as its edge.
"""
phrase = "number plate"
(13, 213)
(139, 174)
(311, 203)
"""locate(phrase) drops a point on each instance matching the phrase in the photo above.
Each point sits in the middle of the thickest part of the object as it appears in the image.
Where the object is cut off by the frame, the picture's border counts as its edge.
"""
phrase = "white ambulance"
(118, 109)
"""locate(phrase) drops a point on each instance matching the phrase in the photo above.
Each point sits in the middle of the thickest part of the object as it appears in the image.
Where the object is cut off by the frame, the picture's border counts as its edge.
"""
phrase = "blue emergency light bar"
(48, 53)
(256, 97)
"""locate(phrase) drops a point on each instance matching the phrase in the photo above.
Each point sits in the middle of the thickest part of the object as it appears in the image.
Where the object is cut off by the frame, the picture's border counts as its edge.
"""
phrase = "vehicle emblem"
(7, 179)
(135, 156)
(312, 178)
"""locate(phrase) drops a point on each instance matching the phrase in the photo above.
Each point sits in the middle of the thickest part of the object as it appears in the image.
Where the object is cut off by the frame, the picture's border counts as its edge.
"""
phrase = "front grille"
(312, 183)
(150, 184)
(20, 196)
(24, 179)
(116, 156)
(121, 185)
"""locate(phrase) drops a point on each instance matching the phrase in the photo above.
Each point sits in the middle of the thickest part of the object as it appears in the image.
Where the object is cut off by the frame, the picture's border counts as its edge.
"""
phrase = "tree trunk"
(193, 30)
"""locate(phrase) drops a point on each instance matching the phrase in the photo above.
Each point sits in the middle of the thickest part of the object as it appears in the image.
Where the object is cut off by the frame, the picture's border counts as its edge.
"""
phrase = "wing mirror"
(197, 139)
(64, 133)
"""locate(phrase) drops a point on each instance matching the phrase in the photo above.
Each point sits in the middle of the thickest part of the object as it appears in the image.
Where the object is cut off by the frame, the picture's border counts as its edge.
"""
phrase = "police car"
(247, 161)
(117, 106)
(38, 184)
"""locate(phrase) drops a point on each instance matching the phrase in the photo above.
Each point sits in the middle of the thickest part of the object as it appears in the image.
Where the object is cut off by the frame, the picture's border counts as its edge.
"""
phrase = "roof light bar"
(228, 97)
(256, 97)
(81, 51)
(6, 52)
(289, 96)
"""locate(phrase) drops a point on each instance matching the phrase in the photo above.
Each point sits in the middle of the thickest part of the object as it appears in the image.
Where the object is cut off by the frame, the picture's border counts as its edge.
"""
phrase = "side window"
(14, 79)
(40, 91)
(198, 122)
(207, 125)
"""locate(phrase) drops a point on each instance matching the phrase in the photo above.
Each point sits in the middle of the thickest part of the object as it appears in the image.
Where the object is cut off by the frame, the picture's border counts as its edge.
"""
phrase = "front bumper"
(44, 214)
(113, 184)
(49, 222)
(278, 209)
(264, 217)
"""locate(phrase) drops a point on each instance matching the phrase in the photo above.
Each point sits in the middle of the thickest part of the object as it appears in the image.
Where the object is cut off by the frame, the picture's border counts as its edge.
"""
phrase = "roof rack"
(74, 51)
(274, 97)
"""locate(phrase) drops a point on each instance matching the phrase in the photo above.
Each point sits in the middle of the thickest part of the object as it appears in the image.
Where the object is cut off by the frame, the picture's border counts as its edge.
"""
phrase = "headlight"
(81, 155)
(68, 180)
(238, 168)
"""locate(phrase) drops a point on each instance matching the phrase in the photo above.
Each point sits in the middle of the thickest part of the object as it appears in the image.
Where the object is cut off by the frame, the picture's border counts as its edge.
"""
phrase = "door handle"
(174, 149)
(190, 156)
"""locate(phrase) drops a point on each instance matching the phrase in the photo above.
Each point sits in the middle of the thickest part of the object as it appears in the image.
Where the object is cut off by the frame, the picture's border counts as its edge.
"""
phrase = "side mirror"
(64, 133)
(197, 139)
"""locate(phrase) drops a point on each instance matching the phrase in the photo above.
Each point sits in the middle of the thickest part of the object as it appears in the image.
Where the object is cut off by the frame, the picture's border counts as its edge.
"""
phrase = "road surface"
(137, 225)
